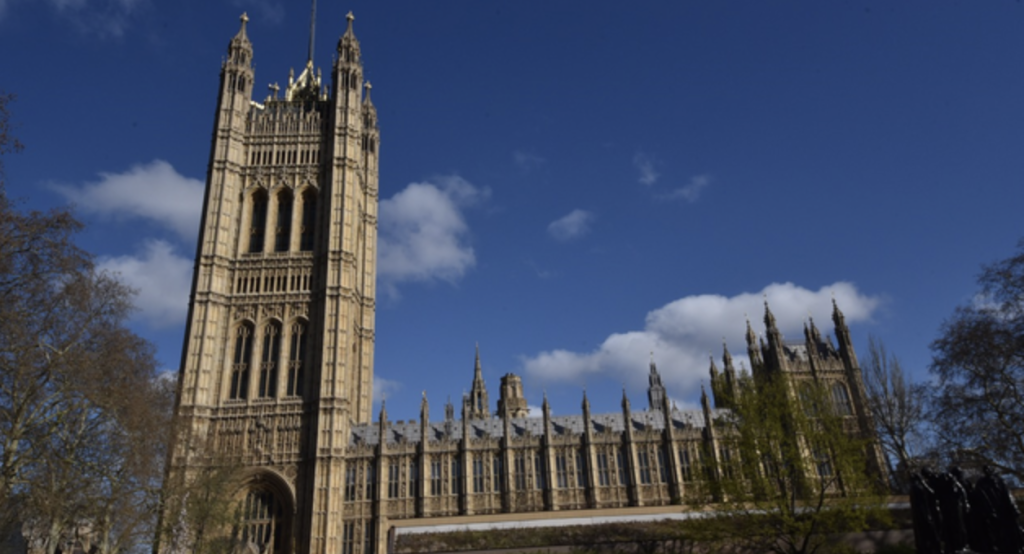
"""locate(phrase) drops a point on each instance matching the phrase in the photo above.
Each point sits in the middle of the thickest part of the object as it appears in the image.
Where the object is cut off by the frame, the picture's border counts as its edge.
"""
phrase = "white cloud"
(162, 280)
(534, 411)
(645, 164)
(423, 232)
(681, 334)
(105, 18)
(572, 226)
(527, 161)
(267, 10)
(383, 388)
(691, 192)
(153, 191)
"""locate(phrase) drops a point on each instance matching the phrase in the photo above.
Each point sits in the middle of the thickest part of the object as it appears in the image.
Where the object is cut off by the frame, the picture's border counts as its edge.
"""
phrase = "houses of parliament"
(277, 365)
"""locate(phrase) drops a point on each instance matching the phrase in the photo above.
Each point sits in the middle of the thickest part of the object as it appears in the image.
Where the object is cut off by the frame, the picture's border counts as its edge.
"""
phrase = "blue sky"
(597, 180)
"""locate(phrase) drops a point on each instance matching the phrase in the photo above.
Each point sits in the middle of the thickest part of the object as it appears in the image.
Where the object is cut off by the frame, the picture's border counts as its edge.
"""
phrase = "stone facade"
(278, 358)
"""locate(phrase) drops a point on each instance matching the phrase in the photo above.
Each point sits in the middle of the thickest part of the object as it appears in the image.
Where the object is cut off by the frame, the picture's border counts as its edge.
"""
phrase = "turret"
(236, 71)
(843, 337)
(511, 402)
(753, 349)
(479, 406)
(655, 390)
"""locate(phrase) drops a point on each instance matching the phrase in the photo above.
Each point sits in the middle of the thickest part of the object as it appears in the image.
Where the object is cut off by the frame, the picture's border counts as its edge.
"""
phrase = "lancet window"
(242, 360)
(296, 359)
(283, 230)
(268, 361)
(258, 221)
(841, 400)
(308, 221)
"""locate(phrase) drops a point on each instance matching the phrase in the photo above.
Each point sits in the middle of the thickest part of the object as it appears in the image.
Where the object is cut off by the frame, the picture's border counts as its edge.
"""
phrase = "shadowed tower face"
(278, 354)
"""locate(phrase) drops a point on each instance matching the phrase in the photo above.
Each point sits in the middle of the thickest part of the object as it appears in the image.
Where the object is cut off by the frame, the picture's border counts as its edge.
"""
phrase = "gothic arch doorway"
(265, 515)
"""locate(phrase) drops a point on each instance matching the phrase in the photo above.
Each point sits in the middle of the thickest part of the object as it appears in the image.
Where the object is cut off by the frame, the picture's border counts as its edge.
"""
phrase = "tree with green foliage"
(792, 470)
(978, 360)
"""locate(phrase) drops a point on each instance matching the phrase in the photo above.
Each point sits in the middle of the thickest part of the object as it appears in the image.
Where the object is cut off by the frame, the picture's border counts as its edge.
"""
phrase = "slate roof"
(409, 431)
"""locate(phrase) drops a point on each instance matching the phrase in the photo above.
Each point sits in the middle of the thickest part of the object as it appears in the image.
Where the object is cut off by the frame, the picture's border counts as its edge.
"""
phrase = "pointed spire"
(244, 18)
(477, 371)
(366, 98)
(726, 356)
(769, 317)
(751, 336)
(586, 402)
(348, 30)
(837, 315)
(625, 399)
(312, 30)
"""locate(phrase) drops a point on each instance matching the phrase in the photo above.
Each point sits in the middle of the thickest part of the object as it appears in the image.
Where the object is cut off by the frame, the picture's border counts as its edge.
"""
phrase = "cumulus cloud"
(161, 278)
(423, 231)
(645, 165)
(573, 225)
(691, 192)
(681, 334)
(153, 191)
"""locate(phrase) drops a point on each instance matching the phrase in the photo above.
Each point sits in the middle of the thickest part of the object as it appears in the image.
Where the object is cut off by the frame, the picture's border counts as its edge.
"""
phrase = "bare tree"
(81, 409)
(979, 362)
(898, 407)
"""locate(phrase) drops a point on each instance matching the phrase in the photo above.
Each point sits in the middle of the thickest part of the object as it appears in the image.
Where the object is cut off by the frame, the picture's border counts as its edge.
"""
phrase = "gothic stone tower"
(278, 356)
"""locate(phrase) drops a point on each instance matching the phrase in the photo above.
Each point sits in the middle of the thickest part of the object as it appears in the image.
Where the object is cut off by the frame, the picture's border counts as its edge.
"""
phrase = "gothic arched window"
(283, 231)
(241, 362)
(268, 361)
(841, 399)
(308, 221)
(296, 358)
(262, 523)
(258, 223)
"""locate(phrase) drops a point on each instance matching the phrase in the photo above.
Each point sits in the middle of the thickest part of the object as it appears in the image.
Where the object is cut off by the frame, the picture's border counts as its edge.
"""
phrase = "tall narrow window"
(308, 221)
(350, 482)
(581, 470)
(242, 360)
(561, 471)
(296, 359)
(258, 225)
(435, 477)
(684, 463)
(261, 523)
(498, 473)
(371, 479)
(268, 361)
(478, 473)
(841, 399)
(645, 467)
(726, 456)
(283, 230)
(456, 476)
(602, 469)
(394, 486)
(348, 537)
(520, 471)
